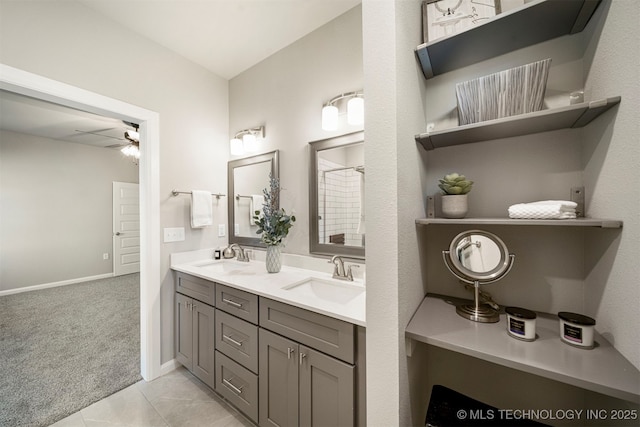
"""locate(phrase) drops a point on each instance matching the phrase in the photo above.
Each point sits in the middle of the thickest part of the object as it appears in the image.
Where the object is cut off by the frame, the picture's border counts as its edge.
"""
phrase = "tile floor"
(177, 399)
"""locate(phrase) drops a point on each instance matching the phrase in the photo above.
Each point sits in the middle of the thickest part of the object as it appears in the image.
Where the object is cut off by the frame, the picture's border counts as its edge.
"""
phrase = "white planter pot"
(454, 206)
(274, 259)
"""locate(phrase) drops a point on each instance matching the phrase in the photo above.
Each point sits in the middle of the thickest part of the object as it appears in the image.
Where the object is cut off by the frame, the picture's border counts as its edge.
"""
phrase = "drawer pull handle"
(233, 387)
(302, 356)
(228, 338)
(290, 352)
(231, 302)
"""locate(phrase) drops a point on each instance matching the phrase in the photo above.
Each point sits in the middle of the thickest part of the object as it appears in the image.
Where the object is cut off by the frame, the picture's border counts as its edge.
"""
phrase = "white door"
(126, 228)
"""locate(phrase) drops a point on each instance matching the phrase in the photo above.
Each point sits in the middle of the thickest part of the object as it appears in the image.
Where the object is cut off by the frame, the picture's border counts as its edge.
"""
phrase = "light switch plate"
(175, 234)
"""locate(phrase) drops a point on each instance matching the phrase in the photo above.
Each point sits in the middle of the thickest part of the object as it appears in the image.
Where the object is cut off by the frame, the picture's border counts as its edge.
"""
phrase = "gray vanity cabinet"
(326, 390)
(279, 364)
(194, 337)
(299, 385)
(278, 380)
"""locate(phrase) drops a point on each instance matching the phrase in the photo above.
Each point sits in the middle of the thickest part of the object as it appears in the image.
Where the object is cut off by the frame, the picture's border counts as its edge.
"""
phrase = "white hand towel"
(257, 200)
(546, 209)
(201, 209)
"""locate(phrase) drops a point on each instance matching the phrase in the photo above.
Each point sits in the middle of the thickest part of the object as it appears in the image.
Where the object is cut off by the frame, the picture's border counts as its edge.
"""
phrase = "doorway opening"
(38, 87)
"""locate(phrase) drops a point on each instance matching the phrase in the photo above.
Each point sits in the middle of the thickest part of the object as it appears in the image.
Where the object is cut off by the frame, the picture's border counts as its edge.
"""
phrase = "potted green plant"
(455, 188)
(273, 224)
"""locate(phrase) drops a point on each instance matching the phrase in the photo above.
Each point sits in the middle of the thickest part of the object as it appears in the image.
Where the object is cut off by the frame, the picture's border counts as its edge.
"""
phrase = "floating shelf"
(572, 116)
(536, 22)
(602, 369)
(579, 222)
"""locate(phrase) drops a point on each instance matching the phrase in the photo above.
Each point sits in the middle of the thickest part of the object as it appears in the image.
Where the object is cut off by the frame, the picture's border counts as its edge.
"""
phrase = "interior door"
(126, 228)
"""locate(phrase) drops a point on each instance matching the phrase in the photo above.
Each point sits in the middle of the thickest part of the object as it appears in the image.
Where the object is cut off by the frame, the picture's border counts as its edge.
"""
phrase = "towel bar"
(176, 192)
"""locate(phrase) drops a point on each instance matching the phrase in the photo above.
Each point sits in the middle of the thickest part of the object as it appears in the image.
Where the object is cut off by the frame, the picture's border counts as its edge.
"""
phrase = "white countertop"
(254, 278)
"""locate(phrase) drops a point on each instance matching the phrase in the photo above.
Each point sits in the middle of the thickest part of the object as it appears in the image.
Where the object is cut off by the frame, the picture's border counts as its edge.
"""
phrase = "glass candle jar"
(521, 323)
(576, 329)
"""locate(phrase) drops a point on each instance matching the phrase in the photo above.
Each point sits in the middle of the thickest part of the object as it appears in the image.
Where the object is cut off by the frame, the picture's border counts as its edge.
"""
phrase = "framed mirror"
(336, 196)
(478, 257)
(246, 178)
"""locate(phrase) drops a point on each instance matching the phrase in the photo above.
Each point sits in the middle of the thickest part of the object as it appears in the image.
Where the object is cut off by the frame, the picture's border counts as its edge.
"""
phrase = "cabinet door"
(278, 399)
(204, 343)
(326, 390)
(184, 331)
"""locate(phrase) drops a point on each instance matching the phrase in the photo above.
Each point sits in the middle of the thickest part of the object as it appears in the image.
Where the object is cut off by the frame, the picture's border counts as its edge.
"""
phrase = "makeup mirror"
(246, 178)
(478, 257)
(336, 196)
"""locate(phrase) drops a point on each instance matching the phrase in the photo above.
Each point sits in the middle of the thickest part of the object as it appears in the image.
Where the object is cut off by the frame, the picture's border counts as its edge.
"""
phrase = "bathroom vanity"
(285, 349)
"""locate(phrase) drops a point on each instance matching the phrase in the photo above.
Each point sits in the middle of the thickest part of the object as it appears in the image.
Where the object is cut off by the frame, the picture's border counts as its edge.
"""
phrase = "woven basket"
(507, 93)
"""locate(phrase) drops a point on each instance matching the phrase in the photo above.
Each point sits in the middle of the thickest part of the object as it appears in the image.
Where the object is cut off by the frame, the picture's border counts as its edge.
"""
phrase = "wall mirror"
(336, 196)
(478, 257)
(246, 178)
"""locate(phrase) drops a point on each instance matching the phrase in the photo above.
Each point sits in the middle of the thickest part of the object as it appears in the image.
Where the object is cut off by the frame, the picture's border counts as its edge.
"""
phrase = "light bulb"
(130, 150)
(235, 147)
(329, 117)
(355, 111)
(250, 143)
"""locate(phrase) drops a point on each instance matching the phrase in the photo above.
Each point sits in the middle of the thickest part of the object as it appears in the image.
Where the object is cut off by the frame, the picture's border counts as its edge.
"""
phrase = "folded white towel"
(257, 200)
(546, 209)
(201, 209)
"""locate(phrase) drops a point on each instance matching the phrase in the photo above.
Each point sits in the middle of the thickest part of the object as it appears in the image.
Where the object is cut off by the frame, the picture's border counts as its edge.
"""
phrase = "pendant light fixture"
(355, 110)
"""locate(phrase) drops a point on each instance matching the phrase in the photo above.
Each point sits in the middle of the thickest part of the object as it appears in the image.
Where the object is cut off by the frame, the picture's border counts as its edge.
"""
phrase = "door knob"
(119, 233)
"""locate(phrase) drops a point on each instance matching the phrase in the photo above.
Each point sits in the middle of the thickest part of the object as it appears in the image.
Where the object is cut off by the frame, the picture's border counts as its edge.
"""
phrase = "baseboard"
(169, 366)
(55, 284)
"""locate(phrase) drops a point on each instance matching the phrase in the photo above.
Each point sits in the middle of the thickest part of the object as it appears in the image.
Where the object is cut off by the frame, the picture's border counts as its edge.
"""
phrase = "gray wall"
(71, 43)
(56, 209)
(286, 92)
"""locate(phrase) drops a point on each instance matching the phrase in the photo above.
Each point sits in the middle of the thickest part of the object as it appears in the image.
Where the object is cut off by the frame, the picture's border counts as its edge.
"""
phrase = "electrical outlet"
(221, 230)
(175, 234)
(105, 256)
(236, 229)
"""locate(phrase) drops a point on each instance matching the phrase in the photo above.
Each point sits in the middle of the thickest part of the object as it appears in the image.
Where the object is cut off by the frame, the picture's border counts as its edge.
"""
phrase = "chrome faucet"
(339, 269)
(240, 254)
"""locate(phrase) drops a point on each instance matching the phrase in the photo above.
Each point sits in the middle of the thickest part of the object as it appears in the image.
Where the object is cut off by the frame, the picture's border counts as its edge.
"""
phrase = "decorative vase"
(273, 262)
(454, 206)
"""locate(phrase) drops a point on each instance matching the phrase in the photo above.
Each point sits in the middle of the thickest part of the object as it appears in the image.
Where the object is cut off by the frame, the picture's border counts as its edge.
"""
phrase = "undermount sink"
(325, 290)
(224, 266)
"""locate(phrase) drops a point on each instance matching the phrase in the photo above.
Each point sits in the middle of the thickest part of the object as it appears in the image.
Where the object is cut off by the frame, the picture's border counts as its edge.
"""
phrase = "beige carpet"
(63, 348)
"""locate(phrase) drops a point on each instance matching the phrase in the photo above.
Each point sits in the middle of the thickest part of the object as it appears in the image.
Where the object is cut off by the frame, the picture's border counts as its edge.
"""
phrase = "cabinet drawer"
(331, 336)
(239, 303)
(238, 385)
(197, 288)
(237, 339)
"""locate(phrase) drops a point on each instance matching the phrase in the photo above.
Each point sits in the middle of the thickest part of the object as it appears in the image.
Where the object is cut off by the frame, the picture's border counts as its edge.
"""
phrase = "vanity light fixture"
(355, 110)
(248, 143)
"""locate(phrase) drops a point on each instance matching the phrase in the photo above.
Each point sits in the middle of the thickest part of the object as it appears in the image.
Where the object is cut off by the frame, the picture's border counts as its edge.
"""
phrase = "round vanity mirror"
(478, 257)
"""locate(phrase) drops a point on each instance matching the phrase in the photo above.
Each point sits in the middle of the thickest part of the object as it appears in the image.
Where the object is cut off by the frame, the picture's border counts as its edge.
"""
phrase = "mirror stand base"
(478, 313)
